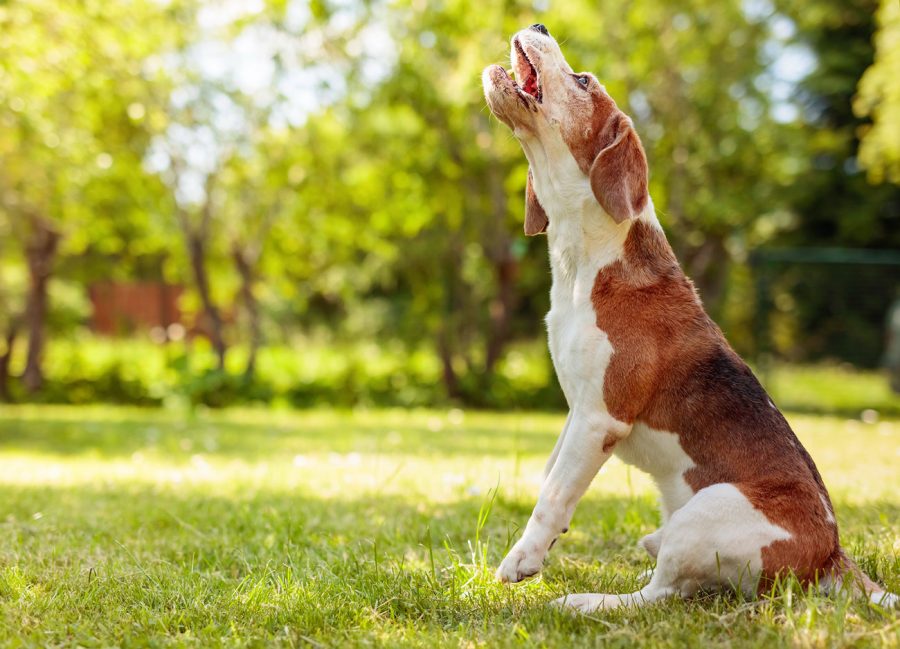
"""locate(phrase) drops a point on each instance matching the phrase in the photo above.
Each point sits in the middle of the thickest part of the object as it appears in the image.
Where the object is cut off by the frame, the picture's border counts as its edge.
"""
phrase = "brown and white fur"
(647, 375)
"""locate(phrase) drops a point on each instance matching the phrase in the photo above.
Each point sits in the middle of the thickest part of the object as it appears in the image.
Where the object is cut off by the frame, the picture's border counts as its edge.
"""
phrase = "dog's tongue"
(530, 85)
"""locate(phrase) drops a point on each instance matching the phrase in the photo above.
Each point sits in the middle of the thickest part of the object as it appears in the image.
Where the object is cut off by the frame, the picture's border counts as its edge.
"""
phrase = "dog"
(647, 375)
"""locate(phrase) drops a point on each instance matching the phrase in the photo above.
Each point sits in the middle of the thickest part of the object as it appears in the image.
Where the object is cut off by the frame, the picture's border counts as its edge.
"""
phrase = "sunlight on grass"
(832, 389)
(378, 527)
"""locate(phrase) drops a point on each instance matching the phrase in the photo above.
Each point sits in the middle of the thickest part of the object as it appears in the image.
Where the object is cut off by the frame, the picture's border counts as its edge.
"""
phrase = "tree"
(11, 301)
(879, 98)
(689, 73)
(832, 200)
(259, 190)
(71, 76)
(442, 190)
(226, 190)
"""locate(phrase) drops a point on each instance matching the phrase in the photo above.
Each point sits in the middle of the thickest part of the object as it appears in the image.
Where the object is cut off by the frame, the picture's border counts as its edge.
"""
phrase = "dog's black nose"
(538, 27)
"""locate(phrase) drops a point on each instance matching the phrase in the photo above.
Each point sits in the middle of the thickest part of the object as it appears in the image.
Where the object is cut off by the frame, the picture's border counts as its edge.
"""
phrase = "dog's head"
(561, 117)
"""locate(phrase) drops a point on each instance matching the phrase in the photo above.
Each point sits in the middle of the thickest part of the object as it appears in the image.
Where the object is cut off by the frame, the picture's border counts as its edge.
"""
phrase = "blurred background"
(308, 203)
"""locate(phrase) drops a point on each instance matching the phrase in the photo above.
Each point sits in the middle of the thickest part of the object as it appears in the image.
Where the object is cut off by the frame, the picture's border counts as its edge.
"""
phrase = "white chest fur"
(660, 454)
(581, 239)
(580, 350)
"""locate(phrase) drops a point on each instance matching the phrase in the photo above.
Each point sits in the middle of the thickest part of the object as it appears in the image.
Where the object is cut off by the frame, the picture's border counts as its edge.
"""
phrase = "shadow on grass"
(121, 433)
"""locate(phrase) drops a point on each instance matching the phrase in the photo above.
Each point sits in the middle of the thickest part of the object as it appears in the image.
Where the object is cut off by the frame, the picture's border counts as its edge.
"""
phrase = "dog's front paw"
(523, 561)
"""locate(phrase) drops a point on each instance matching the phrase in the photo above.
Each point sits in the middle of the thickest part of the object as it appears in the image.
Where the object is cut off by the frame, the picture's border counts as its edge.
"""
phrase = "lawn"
(250, 527)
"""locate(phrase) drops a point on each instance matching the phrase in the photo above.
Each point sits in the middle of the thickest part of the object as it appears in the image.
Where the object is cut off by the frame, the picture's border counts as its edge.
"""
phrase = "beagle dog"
(646, 373)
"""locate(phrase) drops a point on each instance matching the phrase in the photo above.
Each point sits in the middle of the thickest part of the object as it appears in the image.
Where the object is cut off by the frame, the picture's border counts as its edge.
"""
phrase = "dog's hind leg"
(714, 540)
(651, 543)
(663, 584)
(591, 602)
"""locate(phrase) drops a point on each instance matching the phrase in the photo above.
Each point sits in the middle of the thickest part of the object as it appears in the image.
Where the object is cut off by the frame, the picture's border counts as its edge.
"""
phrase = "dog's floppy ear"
(536, 220)
(619, 173)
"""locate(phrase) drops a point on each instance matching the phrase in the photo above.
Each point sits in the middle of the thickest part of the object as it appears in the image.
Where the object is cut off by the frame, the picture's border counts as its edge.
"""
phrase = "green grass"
(832, 389)
(380, 528)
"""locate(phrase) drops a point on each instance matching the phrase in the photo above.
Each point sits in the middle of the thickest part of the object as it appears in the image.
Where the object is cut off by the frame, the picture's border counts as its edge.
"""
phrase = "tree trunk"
(498, 249)
(449, 334)
(501, 310)
(197, 253)
(245, 263)
(196, 236)
(11, 334)
(448, 374)
(40, 253)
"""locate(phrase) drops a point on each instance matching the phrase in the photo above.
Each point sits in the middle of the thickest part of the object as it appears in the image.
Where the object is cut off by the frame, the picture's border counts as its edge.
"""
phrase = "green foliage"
(832, 198)
(90, 370)
(879, 97)
(333, 173)
(382, 528)
(76, 98)
(826, 313)
(217, 388)
(839, 389)
(837, 312)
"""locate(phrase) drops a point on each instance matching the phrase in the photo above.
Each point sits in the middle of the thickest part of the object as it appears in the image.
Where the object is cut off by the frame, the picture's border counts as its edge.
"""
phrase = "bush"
(129, 371)
(89, 370)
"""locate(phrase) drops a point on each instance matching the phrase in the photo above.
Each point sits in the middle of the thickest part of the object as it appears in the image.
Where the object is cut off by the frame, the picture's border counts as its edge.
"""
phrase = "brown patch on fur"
(591, 127)
(536, 220)
(673, 370)
(619, 175)
(609, 152)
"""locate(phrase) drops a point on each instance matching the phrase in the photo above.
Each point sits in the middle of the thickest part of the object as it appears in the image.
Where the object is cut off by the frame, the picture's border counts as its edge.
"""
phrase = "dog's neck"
(582, 240)
(581, 237)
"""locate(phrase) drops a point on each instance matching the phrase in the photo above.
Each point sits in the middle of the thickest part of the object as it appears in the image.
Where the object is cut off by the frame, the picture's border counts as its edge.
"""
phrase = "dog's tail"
(846, 574)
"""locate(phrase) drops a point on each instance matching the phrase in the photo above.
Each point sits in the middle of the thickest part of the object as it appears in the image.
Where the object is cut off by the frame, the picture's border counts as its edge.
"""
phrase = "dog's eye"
(583, 79)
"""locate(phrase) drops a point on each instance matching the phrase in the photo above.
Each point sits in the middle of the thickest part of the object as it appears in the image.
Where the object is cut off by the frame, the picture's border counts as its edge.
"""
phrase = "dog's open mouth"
(527, 76)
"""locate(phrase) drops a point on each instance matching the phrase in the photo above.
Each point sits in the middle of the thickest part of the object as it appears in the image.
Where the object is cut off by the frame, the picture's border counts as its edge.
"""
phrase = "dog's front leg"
(586, 443)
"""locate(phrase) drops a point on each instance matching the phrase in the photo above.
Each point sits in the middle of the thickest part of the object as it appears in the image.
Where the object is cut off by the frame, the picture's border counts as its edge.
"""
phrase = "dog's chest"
(581, 351)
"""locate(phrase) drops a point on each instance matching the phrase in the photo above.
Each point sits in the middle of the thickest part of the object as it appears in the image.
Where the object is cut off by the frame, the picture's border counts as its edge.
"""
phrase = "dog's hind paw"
(585, 603)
